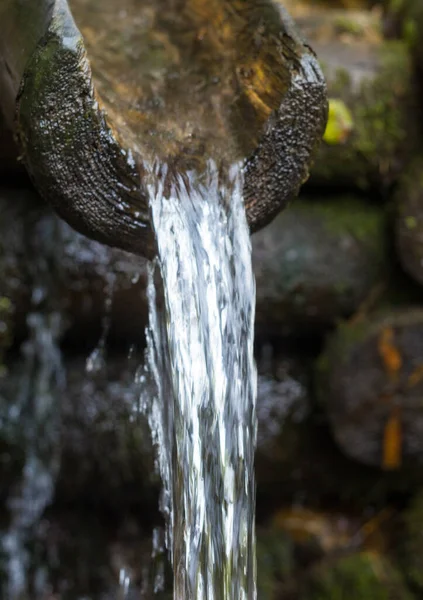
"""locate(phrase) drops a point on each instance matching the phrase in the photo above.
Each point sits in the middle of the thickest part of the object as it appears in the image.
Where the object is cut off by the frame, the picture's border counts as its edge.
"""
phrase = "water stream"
(200, 355)
(35, 414)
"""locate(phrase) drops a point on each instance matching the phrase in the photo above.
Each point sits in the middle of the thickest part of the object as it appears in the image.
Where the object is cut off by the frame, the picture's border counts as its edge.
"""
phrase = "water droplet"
(96, 362)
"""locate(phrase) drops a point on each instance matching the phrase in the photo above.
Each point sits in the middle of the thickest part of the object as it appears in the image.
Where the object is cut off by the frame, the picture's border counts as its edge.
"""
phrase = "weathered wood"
(195, 80)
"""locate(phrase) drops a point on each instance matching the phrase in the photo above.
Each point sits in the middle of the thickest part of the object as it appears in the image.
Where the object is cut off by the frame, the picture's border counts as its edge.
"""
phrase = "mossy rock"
(296, 455)
(317, 262)
(374, 106)
(356, 577)
(370, 384)
(410, 543)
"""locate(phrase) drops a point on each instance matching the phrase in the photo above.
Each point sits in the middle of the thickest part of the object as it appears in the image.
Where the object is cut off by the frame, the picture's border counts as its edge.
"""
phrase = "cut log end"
(83, 163)
(72, 154)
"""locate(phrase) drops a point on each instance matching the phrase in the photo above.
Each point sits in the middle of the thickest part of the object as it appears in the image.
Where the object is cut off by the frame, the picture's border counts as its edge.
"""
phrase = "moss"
(348, 335)
(356, 577)
(408, 17)
(366, 223)
(411, 222)
(337, 350)
(347, 25)
(318, 262)
(410, 548)
(379, 118)
(396, 5)
(275, 562)
(411, 32)
(382, 113)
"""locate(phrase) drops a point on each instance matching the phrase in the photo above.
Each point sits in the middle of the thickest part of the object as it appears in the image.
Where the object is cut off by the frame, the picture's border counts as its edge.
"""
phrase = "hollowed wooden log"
(98, 95)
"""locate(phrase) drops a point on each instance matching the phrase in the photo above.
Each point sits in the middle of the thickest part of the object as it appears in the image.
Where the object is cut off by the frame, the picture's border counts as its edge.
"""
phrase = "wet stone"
(95, 286)
(80, 553)
(373, 99)
(296, 458)
(283, 404)
(370, 384)
(102, 411)
(106, 457)
(317, 262)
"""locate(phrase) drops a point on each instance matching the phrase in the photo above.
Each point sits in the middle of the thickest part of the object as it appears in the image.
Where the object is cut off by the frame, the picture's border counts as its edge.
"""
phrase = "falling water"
(200, 355)
(34, 414)
(30, 415)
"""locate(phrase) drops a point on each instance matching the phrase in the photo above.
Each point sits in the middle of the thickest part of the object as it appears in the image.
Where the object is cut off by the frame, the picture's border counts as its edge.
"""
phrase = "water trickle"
(96, 361)
(200, 356)
(35, 413)
(159, 581)
(30, 418)
(124, 583)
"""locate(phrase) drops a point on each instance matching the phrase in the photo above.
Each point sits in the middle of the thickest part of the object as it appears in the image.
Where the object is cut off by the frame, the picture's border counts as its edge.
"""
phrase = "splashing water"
(200, 355)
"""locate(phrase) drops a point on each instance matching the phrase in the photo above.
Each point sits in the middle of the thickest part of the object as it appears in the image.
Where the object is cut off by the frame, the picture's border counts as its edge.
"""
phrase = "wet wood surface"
(176, 83)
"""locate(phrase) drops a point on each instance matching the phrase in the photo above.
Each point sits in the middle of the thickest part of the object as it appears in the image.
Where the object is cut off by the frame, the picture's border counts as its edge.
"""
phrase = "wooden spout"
(95, 94)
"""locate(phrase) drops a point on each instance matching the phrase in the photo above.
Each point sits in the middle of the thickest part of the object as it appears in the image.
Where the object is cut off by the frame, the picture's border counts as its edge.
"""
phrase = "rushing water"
(200, 354)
